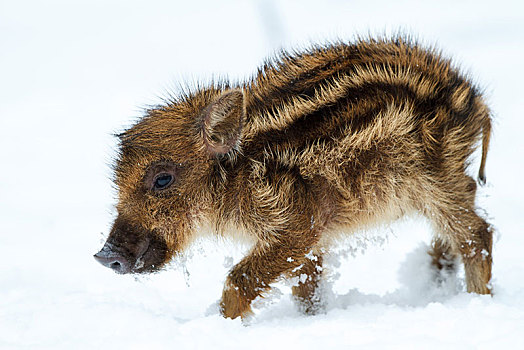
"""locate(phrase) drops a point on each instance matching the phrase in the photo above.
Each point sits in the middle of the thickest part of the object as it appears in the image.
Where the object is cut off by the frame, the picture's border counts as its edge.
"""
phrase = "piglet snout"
(113, 260)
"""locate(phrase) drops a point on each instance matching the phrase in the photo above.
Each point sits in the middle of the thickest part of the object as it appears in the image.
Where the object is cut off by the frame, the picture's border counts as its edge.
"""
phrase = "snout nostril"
(115, 265)
(118, 263)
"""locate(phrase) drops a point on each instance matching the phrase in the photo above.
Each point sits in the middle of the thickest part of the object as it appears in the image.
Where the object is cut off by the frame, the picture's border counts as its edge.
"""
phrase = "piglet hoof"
(483, 289)
(234, 303)
(309, 307)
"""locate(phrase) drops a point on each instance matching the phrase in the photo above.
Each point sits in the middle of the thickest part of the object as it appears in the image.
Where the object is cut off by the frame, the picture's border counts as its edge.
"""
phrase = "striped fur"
(337, 138)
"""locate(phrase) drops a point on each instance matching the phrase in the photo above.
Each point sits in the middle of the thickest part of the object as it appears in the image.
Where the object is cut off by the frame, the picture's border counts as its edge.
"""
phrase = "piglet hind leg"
(463, 233)
(444, 258)
(476, 252)
(471, 239)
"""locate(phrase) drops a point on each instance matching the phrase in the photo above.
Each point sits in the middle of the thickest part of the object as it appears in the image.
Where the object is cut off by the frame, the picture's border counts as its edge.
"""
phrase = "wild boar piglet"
(335, 139)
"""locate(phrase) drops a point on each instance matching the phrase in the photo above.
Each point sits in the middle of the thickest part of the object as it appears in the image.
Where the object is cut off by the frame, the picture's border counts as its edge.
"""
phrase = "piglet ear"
(222, 122)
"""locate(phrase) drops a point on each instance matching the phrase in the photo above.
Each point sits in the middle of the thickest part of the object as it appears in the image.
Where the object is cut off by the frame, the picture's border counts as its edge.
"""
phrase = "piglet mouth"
(143, 248)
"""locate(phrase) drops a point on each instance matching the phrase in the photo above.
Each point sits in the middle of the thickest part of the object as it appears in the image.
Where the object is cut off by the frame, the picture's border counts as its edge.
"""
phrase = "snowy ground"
(73, 72)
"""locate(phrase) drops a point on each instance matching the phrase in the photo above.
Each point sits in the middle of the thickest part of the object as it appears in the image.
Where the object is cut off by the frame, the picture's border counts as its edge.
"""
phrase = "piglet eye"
(162, 181)
(161, 175)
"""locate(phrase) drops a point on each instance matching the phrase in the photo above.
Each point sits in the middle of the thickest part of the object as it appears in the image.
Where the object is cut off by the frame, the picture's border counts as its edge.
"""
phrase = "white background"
(74, 72)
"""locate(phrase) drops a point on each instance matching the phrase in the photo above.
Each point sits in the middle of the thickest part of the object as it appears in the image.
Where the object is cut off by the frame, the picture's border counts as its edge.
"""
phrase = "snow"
(74, 72)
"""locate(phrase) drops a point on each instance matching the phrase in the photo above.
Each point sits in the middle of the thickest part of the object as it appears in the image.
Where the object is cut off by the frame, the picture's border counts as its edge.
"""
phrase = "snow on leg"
(442, 254)
(309, 274)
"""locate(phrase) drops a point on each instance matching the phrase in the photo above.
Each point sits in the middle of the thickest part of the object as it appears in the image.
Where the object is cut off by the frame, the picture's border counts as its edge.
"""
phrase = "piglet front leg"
(253, 275)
